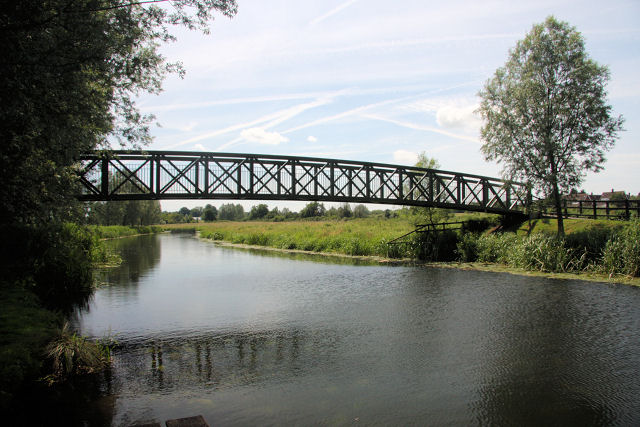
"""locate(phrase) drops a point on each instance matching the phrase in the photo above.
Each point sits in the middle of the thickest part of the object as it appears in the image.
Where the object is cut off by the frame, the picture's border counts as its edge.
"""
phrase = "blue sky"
(377, 80)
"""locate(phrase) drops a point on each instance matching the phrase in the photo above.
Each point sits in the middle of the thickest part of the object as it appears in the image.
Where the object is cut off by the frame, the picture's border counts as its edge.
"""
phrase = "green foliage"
(126, 212)
(496, 247)
(116, 231)
(541, 252)
(58, 257)
(313, 210)
(467, 247)
(258, 212)
(231, 212)
(545, 113)
(622, 252)
(25, 328)
(435, 246)
(70, 355)
(210, 213)
(70, 73)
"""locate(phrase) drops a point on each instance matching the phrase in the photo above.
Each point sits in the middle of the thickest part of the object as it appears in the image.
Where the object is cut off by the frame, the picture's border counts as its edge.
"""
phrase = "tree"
(360, 211)
(431, 215)
(231, 212)
(545, 113)
(196, 212)
(185, 211)
(313, 209)
(258, 211)
(209, 213)
(70, 71)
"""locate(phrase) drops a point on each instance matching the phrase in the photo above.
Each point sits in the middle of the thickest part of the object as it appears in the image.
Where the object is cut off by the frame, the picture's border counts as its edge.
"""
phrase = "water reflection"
(268, 339)
(217, 362)
(140, 255)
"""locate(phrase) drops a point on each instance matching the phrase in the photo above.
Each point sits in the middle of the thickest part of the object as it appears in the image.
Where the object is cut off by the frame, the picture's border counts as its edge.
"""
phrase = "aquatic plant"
(70, 354)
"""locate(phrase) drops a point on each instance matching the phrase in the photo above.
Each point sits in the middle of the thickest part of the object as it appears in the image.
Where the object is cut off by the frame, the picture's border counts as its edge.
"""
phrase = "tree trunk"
(558, 204)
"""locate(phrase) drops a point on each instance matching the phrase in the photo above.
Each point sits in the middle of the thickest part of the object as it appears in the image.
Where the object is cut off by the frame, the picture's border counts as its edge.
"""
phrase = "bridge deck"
(126, 175)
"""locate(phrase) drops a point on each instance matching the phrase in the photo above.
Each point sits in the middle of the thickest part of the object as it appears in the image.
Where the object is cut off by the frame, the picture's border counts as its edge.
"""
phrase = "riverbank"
(604, 251)
(476, 266)
(105, 232)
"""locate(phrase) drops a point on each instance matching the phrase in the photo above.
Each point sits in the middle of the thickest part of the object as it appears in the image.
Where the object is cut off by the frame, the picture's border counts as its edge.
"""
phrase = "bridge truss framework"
(162, 175)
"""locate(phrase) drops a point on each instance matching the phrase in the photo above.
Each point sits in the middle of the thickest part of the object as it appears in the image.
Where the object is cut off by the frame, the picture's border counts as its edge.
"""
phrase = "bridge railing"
(123, 175)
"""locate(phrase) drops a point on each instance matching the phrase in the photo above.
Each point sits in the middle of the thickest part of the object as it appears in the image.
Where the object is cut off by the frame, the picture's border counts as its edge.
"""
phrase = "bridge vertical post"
(400, 189)
(458, 189)
(279, 181)
(205, 164)
(251, 172)
(368, 182)
(433, 192)
(508, 196)
(104, 176)
(294, 180)
(151, 174)
(316, 177)
(332, 179)
(485, 193)
(156, 159)
(350, 183)
(239, 177)
(197, 189)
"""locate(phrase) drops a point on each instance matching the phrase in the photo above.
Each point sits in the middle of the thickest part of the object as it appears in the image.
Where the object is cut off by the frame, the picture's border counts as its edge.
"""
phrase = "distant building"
(613, 195)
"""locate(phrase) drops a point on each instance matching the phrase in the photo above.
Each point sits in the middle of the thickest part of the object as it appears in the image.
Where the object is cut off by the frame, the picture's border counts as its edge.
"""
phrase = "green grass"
(366, 236)
(550, 226)
(116, 231)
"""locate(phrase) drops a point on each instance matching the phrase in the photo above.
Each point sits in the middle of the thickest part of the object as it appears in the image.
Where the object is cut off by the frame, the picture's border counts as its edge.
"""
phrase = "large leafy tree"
(69, 74)
(546, 118)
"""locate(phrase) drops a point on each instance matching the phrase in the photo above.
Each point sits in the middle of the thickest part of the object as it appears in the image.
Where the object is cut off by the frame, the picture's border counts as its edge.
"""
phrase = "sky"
(378, 81)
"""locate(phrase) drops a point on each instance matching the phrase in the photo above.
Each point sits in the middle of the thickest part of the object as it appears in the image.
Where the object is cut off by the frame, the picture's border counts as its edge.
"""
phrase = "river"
(252, 338)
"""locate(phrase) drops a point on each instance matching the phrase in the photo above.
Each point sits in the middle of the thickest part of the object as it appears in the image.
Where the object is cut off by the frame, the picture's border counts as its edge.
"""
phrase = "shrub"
(544, 252)
(71, 355)
(438, 246)
(467, 247)
(622, 252)
(496, 247)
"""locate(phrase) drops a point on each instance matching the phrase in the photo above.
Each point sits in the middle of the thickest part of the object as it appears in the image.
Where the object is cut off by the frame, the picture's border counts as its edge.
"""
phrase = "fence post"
(627, 214)
(595, 208)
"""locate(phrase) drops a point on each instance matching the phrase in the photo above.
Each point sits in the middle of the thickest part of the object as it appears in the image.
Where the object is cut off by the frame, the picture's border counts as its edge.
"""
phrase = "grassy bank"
(598, 248)
(47, 271)
(367, 236)
(117, 231)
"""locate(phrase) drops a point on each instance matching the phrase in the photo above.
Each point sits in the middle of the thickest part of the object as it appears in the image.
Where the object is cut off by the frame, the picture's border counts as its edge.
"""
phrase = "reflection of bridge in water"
(162, 175)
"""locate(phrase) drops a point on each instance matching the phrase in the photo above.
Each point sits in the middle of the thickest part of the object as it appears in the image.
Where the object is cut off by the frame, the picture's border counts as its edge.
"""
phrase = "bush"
(542, 252)
(467, 247)
(622, 252)
(71, 355)
(438, 246)
(58, 258)
(496, 247)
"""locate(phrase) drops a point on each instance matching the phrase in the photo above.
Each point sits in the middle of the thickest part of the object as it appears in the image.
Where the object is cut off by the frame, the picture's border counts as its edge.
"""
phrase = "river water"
(252, 338)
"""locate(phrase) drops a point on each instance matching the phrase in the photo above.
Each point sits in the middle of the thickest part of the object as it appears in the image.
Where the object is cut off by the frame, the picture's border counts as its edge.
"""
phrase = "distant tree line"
(235, 212)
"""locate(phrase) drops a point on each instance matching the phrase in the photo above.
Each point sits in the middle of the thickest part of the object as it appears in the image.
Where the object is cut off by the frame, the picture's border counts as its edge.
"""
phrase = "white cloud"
(261, 136)
(458, 117)
(405, 157)
(199, 147)
(312, 138)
